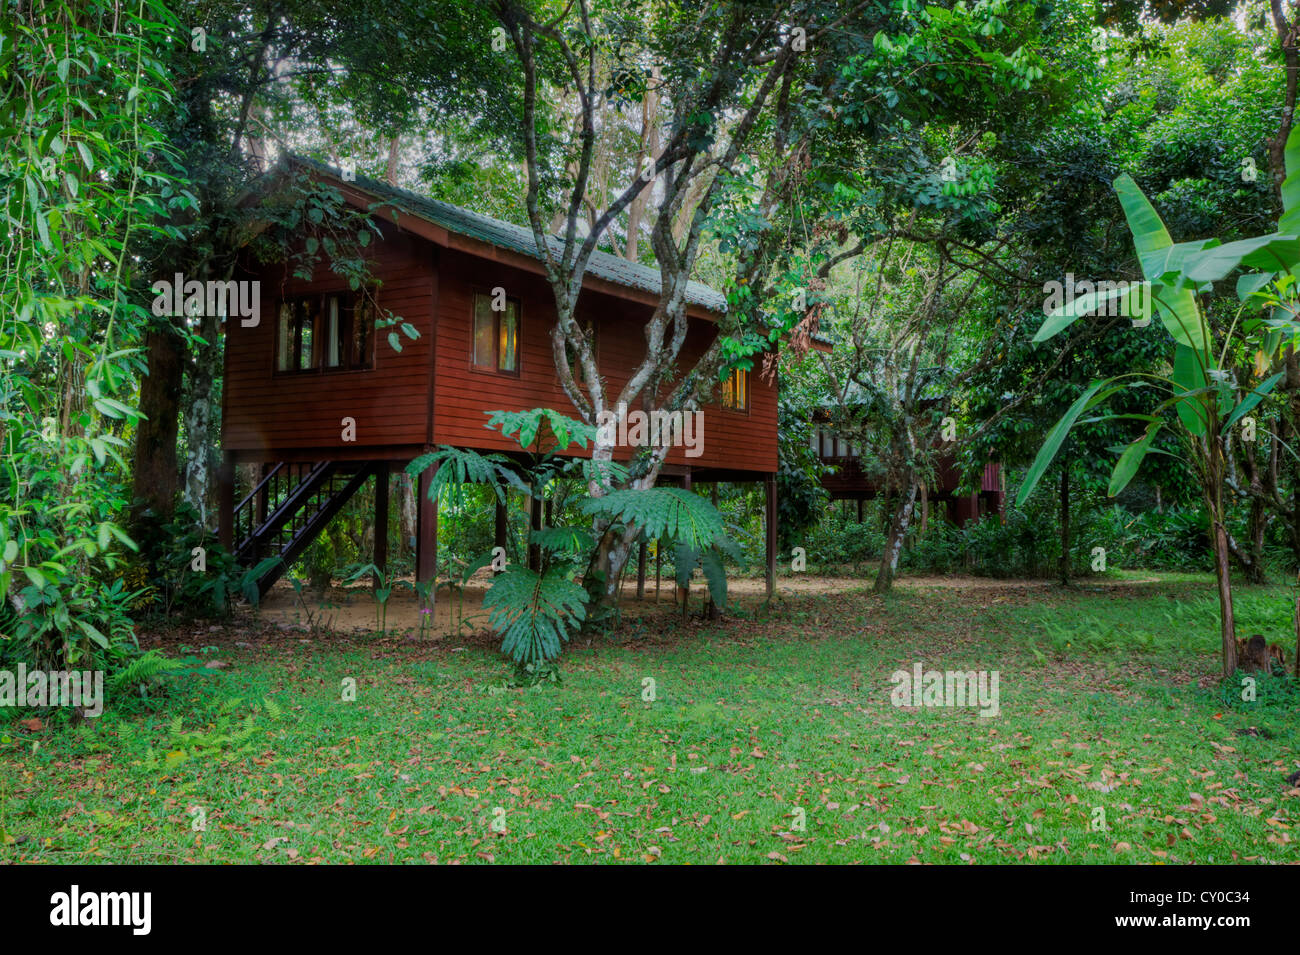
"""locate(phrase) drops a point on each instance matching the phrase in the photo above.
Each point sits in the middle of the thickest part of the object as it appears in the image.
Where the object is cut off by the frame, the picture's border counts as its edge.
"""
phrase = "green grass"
(1108, 701)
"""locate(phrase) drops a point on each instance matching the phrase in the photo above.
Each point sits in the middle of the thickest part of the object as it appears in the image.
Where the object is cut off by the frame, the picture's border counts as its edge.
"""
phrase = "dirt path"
(353, 610)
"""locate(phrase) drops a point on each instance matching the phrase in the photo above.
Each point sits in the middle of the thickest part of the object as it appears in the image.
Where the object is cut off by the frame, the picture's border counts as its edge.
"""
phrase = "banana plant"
(1202, 394)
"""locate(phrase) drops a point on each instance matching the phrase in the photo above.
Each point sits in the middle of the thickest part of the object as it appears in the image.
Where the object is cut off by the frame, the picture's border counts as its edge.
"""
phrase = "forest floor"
(352, 608)
(771, 737)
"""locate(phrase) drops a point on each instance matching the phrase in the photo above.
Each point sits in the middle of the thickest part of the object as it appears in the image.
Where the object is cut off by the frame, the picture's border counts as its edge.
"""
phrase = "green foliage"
(534, 613)
(671, 512)
(457, 468)
(141, 677)
(80, 194)
(228, 736)
(542, 430)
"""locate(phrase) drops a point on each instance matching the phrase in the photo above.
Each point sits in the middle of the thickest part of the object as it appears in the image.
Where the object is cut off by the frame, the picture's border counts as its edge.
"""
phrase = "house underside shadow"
(290, 504)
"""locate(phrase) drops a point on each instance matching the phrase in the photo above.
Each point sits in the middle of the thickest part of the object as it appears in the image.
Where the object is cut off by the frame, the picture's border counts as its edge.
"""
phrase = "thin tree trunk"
(407, 513)
(1227, 625)
(1213, 490)
(894, 543)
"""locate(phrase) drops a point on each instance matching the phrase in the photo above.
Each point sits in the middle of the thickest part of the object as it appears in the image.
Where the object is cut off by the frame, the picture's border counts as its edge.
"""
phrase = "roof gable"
(516, 238)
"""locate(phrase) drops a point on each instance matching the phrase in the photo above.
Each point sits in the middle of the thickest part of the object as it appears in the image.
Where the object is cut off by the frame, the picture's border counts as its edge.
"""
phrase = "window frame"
(730, 409)
(350, 303)
(496, 368)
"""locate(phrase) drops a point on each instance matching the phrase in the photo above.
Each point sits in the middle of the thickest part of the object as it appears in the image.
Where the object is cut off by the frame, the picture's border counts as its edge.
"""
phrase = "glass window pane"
(284, 344)
(333, 351)
(363, 322)
(307, 341)
(484, 332)
(509, 337)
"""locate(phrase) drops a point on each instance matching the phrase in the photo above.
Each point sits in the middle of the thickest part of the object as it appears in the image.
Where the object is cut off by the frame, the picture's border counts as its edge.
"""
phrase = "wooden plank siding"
(731, 440)
(429, 393)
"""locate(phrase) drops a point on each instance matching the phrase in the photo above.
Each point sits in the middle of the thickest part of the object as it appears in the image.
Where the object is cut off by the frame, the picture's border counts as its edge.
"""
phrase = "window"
(325, 333)
(735, 390)
(496, 334)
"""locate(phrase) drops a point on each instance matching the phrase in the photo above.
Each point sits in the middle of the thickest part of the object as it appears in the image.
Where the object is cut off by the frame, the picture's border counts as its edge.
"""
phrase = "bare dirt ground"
(353, 609)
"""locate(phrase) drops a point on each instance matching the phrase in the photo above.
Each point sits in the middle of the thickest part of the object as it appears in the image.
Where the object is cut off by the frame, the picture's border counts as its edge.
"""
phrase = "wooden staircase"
(289, 508)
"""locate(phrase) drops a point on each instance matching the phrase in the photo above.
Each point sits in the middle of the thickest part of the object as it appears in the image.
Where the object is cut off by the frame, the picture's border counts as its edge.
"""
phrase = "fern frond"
(563, 540)
(528, 426)
(662, 512)
(143, 670)
(534, 613)
(456, 467)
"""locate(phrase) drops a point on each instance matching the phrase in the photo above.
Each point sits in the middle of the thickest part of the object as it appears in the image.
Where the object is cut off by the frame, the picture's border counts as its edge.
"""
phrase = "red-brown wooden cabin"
(322, 403)
(846, 480)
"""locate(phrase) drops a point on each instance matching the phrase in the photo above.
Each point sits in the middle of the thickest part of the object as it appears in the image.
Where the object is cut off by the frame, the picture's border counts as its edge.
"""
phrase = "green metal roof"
(506, 235)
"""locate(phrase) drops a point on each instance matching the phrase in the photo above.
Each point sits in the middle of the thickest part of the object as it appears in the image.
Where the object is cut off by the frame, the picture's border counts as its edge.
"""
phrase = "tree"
(724, 76)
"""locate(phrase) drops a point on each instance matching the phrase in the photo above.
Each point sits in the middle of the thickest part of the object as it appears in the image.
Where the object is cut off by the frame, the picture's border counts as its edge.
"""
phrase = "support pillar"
(769, 493)
(381, 519)
(685, 592)
(226, 502)
(426, 534)
(499, 534)
(262, 503)
(640, 571)
(658, 568)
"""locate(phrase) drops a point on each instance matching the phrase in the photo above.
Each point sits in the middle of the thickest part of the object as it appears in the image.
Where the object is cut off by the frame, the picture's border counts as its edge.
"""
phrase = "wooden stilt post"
(226, 501)
(381, 519)
(859, 510)
(659, 560)
(640, 571)
(426, 535)
(685, 592)
(499, 533)
(262, 495)
(769, 493)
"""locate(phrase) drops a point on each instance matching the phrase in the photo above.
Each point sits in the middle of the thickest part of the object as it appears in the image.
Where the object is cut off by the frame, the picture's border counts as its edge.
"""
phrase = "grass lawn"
(1109, 701)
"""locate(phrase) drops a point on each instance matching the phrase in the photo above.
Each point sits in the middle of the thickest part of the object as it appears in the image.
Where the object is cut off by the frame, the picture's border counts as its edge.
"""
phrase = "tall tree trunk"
(407, 512)
(390, 170)
(156, 473)
(1286, 35)
(200, 424)
(894, 542)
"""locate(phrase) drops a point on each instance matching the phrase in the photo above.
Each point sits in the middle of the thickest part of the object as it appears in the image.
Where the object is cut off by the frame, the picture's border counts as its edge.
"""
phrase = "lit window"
(325, 332)
(496, 335)
(735, 390)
